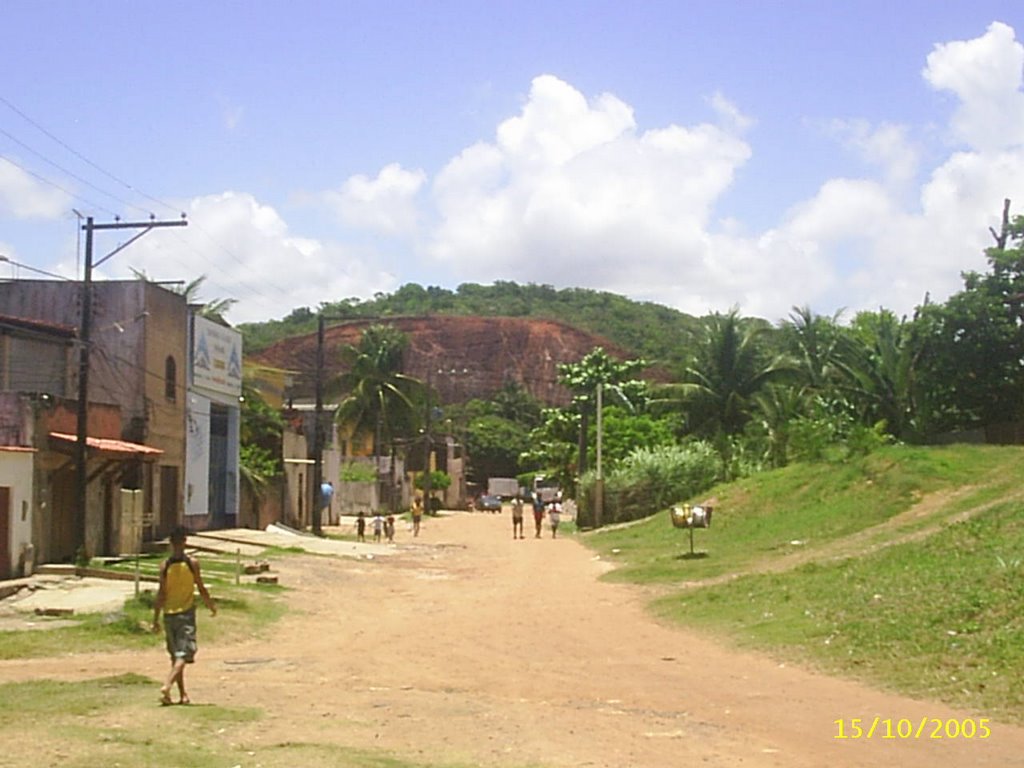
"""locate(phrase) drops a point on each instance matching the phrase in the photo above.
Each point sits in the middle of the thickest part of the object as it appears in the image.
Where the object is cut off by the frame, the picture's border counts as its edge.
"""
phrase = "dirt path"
(921, 520)
(470, 646)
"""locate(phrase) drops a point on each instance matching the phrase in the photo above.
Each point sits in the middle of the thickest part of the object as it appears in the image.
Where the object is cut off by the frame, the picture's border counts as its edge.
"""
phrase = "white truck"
(505, 487)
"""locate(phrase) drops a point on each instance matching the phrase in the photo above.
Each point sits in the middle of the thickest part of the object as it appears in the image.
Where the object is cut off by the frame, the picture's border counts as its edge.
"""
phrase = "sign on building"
(217, 358)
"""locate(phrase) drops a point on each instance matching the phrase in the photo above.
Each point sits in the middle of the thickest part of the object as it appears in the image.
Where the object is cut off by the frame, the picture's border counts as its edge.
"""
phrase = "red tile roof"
(109, 445)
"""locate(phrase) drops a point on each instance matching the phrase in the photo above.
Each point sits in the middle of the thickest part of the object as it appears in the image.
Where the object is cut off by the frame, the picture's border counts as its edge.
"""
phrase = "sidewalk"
(48, 597)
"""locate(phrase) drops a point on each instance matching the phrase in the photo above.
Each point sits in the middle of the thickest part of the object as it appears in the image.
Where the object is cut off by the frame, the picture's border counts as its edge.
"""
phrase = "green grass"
(116, 721)
(216, 568)
(242, 611)
(940, 616)
(756, 519)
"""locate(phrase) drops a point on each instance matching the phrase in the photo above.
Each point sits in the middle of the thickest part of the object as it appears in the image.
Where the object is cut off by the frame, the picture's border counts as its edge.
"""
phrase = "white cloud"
(730, 115)
(24, 197)
(887, 146)
(247, 252)
(571, 193)
(386, 204)
(985, 74)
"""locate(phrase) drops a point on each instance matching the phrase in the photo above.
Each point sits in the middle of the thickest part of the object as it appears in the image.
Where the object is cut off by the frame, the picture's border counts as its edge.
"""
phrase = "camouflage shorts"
(180, 629)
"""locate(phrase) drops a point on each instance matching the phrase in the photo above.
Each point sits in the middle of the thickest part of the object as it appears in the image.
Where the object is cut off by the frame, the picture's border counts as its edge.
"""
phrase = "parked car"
(488, 503)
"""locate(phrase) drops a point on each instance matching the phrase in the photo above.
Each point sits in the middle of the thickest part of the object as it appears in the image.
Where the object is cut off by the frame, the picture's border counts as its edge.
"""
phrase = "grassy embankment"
(904, 569)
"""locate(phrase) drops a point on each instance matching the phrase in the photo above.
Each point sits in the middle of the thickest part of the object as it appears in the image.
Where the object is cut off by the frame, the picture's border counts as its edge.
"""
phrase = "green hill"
(904, 569)
(655, 332)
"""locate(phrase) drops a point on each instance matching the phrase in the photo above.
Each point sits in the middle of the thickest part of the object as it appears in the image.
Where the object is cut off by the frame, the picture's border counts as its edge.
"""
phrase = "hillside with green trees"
(656, 332)
(902, 568)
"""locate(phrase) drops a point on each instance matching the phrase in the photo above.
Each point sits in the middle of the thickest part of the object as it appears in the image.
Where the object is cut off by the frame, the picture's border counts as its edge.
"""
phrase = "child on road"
(179, 579)
(517, 517)
(538, 511)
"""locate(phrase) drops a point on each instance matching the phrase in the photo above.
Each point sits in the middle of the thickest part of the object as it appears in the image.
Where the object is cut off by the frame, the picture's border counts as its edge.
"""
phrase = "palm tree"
(211, 310)
(378, 398)
(878, 360)
(730, 367)
(776, 407)
(816, 339)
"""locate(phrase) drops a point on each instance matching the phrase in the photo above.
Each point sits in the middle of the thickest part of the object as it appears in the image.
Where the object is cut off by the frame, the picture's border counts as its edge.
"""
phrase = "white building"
(213, 419)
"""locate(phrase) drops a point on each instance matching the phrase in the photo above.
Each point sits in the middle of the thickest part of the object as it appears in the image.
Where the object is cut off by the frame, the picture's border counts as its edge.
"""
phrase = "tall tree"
(731, 365)
(616, 378)
(813, 342)
(878, 359)
(972, 347)
(378, 399)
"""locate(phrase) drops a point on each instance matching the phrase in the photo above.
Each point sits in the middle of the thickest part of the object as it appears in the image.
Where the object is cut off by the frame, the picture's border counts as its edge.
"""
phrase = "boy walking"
(517, 516)
(179, 579)
(538, 512)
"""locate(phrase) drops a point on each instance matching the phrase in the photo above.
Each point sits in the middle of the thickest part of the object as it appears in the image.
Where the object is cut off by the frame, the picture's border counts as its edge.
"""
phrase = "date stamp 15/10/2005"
(904, 728)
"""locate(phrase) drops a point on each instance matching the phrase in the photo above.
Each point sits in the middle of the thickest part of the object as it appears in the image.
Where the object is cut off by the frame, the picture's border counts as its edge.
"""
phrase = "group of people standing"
(385, 525)
(553, 508)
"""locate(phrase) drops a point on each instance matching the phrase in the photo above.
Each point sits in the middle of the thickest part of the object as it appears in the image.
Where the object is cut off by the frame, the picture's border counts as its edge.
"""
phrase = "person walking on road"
(538, 511)
(517, 516)
(555, 515)
(179, 580)
(361, 527)
(378, 527)
(417, 515)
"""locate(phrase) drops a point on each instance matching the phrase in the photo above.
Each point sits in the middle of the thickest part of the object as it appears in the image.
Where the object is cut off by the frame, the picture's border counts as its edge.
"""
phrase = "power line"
(57, 186)
(82, 157)
(72, 174)
(257, 292)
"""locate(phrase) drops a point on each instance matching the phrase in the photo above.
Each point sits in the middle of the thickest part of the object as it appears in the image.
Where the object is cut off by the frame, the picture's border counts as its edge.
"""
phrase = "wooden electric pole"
(318, 441)
(85, 341)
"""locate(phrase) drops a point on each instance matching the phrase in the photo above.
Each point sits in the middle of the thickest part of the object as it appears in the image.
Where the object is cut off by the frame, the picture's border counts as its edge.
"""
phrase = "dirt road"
(470, 646)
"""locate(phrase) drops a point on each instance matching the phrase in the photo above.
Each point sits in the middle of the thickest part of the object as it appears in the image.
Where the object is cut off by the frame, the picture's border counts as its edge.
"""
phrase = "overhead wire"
(72, 174)
(80, 156)
(55, 185)
(257, 292)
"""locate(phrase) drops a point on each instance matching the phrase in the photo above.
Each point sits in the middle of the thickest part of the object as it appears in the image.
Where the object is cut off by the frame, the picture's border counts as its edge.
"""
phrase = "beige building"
(136, 407)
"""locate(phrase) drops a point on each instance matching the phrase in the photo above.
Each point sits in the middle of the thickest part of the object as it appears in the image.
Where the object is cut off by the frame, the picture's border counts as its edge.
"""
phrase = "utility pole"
(427, 479)
(599, 480)
(85, 340)
(318, 443)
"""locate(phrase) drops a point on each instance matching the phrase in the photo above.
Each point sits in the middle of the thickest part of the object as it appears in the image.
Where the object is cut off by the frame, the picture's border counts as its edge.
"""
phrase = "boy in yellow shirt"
(179, 578)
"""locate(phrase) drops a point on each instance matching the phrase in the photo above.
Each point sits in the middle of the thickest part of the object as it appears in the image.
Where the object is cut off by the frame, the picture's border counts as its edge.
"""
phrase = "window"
(170, 378)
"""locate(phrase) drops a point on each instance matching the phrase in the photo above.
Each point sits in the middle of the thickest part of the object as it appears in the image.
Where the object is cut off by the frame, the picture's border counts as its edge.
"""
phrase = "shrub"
(649, 480)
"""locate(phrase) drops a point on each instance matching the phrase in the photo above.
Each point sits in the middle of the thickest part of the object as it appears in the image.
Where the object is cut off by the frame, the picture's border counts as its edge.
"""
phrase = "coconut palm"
(815, 339)
(730, 367)
(378, 399)
(878, 360)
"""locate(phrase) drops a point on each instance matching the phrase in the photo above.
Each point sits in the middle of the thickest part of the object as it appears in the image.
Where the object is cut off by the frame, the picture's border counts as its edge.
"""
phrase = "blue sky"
(703, 155)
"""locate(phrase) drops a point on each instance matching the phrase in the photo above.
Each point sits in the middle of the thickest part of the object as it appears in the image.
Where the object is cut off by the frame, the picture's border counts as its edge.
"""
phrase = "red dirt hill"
(467, 357)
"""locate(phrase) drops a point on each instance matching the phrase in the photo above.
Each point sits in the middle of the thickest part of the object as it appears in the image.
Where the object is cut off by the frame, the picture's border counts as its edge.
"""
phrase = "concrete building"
(136, 406)
(213, 425)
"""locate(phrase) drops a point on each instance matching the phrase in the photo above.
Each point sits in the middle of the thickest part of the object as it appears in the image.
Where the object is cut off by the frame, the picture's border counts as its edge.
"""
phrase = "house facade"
(135, 416)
